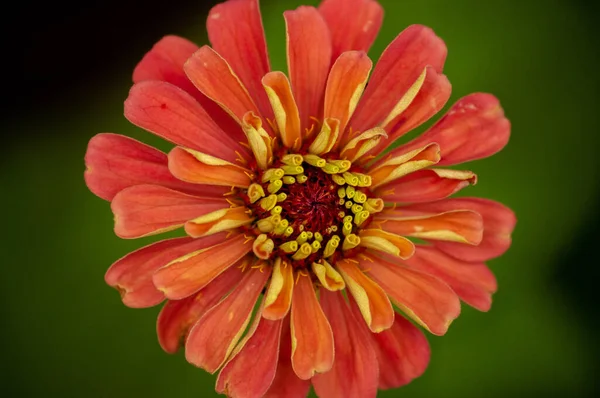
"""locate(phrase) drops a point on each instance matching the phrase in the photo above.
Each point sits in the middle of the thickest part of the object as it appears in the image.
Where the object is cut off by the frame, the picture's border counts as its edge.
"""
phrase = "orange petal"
(164, 62)
(186, 275)
(474, 283)
(312, 339)
(132, 274)
(329, 278)
(474, 128)
(355, 370)
(173, 114)
(386, 242)
(309, 58)
(278, 297)
(401, 162)
(286, 383)
(353, 24)
(199, 168)
(284, 106)
(326, 138)
(363, 143)
(426, 186)
(433, 93)
(424, 298)
(498, 224)
(217, 221)
(402, 352)
(115, 162)
(143, 210)
(178, 316)
(463, 226)
(399, 67)
(236, 32)
(250, 372)
(215, 335)
(213, 76)
(345, 85)
(373, 302)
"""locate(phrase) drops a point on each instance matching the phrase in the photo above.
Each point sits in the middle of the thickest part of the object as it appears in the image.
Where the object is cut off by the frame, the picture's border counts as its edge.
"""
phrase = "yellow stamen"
(301, 179)
(360, 197)
(357, 208)
(272, 175)
(289, 247)
(275, 186)
(347, 229)
(350, 192)
(343, 165)
(331, 245)
(350, 178)
(318, 237)
(341, 193)
(263, 247)
(361, 217)
(314, 160)
(338, 179)
(289, 180)
(303, 237)
(281, 227)
(292, 159)
(304, 251)
(277, 211)
(268, 203)
(292, 170)
(255, 192)
(350, 242)
(282, 196)
(331, 168)
(315, 246)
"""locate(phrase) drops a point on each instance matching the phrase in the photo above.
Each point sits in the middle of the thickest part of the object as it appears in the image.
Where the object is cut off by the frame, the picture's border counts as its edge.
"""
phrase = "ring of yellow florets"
(309, 209)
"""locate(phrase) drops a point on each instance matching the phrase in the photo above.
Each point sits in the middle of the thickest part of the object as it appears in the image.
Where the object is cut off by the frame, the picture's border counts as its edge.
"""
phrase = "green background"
(66, 334)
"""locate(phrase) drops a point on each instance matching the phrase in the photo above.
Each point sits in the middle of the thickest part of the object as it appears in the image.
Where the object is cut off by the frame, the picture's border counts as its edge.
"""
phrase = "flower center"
(309, 209)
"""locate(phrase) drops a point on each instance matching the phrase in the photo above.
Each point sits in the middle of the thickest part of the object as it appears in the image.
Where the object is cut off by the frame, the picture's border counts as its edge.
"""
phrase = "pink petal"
(312, 339)
(425, 186)
(402, 352)
(250, 372)
(498, 224)
(309, 58)
(213, 76)
(132, 274)
(286, 383)
(431, 98)
(474, 128)
(474, 283)
(178, 316)
(215, 335)
(236, 32)
(143, 210)
(426, 299)
(164, 62)
(403, 61)
(188, 274)
(354, 24)
(176, 116)
(355, 371)
(115, 162)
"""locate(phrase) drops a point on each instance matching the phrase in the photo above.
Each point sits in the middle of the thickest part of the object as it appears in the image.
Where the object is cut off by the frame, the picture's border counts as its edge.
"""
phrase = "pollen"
(309, 208)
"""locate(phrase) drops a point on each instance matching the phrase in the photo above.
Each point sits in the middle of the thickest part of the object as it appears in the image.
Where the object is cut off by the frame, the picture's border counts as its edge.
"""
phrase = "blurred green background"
(66, 334)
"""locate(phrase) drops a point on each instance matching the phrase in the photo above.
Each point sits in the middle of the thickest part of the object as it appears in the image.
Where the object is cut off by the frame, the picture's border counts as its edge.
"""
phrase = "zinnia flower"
(301, 230)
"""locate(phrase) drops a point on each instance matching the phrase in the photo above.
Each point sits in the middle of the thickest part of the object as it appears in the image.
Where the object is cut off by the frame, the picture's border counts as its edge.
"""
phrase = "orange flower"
(281, 186)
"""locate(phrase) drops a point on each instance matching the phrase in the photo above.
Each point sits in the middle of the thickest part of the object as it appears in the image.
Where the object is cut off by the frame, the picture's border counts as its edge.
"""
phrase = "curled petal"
(372, 301)
(143, 210)
(186, 275)
(285, 109)
(278, 297)
(363, 143)
(474, 283)
(176, 116)
(251, 370)
(236, 32)
(400, 66)
(215, 335)
(498, 224)
(132, 274)
(345, 85)
(328, 276)
(115, 162)
(432, 95)
(213, 76)
(258, 139)
(312, 339)
(402, 352)
(178, 316)
(386, 242)
(401, 162)
(463, 226)
(355, 371)
(354, 24)
(309, 59)
(286, 383)
(164, 62)
(426, 186)
(474, 128)
(327, 137)
(424, 298)
(200, 168)
(217, 221)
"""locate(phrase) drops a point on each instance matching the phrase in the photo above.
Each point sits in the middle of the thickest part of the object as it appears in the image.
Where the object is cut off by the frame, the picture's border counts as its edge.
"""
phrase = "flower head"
(300, 229)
